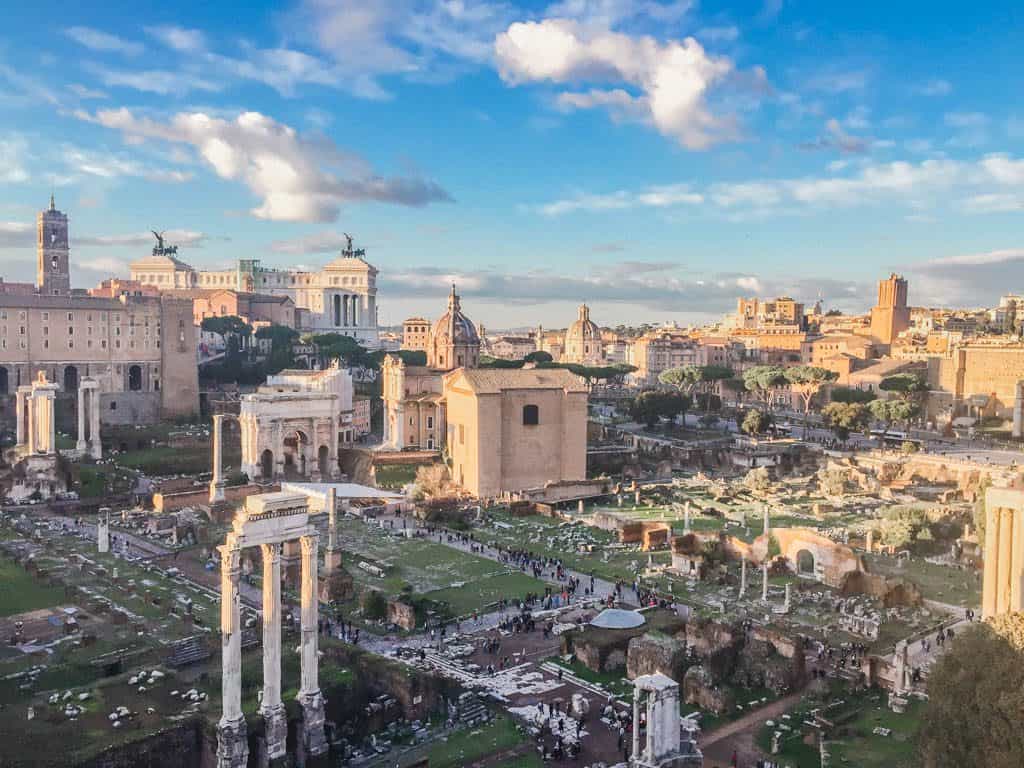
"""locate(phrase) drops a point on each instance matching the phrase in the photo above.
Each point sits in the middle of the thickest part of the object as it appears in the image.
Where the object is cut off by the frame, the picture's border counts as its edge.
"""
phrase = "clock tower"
(53, 276)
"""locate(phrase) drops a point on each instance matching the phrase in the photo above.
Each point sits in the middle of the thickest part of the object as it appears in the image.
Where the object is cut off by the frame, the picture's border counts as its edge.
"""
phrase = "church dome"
(454, 341)
(583, 340)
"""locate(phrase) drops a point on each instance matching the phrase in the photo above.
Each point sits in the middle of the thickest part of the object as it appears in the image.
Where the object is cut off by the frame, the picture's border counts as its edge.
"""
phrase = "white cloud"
(105, 264)
(610, 13)
(724, 34)
(836, 82)
(178, 38)
(672, 80)
(936, 87)
(296, 178)
(159, 81)
(104, 42)
(918, 186)
(13, 151)
(318, 242)
(994, 203)
(84, 92)
(109, 166)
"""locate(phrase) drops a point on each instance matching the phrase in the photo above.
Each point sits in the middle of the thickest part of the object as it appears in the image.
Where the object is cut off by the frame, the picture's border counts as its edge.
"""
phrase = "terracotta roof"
(493, 381)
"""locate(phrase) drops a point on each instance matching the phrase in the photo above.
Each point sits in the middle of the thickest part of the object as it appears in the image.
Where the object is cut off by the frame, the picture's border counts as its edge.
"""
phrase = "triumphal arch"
(268, 521)
(291, 428)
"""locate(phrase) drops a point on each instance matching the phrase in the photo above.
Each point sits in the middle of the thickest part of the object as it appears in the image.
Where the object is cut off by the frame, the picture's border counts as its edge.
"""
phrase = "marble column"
(652, 725)
(1005, 560)
(869, 543)
(789, 597)
(332, 557)
(767, 522)
(989, 605)
(278, 450)
(81, 445)
(217, 480)
(764, 583)
(21, 411)
(313, 737)
(743, 576)
(686, 517)
(271, 706)
(95, 443)
(635, 754)
(232, 743)
(332, 450)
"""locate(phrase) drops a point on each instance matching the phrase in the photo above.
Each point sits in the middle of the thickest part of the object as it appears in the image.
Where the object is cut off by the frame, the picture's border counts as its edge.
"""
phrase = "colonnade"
(36, 427)
(659, 694)
(279, 519)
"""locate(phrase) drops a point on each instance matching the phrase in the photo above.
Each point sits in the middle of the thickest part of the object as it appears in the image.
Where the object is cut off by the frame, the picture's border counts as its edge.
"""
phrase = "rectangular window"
(46, 330)
(46, 343)
(430, 422)
(46, 315)
(103, 343)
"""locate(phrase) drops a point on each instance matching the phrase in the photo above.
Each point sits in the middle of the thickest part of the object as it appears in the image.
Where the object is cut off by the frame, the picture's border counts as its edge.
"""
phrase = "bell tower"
(53, 275)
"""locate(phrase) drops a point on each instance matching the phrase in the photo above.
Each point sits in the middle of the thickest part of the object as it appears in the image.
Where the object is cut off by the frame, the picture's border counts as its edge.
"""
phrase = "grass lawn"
(611, 681)
(462, 748)
(395, 476)
(20, 591)
(479, 593)
(857, 744)
(936, 582)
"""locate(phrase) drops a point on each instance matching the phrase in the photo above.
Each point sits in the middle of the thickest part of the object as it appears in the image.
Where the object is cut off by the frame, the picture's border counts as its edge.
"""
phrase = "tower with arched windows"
(53, 274)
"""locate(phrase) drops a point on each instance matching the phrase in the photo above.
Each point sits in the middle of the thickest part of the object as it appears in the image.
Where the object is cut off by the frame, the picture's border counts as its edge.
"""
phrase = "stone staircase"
(471, 710)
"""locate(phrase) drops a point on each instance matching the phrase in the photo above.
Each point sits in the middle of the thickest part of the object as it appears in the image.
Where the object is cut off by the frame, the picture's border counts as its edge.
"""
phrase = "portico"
(268, 521)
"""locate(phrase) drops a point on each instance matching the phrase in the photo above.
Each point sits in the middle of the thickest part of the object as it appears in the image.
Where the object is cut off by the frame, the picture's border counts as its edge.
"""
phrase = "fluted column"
(217, 480)
(232, 746)
(636, 724)
(95, 443)
(989, 605)
(652, 725)
(81, 445)
(309, 697)
(271, 706)
(20, 409)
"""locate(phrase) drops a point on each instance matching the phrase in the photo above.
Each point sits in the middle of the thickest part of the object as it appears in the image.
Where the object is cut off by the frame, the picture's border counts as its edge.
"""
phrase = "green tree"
(337, 346)
(909, 386)
(767, 381)
(807, 381)
(684, 379)
(845, 418)
(894, 411)
(486, 361)
(852, 395)
(234, 329)
(282, 338)
(975, 699)
(756, 422)
(540, 356)
(652, 404)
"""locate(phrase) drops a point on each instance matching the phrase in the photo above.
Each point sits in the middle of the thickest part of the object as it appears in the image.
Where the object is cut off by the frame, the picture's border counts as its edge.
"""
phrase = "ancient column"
(81, 445)
(332, 450)
(271, 706)
(1006, 534)
(95, 443)
(764, 583)
(314, 739)
(232, 745)
(332, 558)
(743, 576)
(1018, 411)
(869, 544)
(20, 409)
(767, 523)
(789, 597)
(686, 517)
(990, 581)
(278, 450)
(217, 480)
(635, 753)
(652, 725)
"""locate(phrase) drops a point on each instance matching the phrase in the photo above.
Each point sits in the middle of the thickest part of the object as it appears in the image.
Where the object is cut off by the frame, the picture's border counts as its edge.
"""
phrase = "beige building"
(141, 350)
(754, 314)
(505, 430)
(976, 377)
(511, 347)
(512, 430)
(415, 334)
(1003, 584)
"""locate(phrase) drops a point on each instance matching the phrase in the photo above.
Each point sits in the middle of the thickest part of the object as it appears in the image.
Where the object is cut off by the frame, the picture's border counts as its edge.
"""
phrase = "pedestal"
(314, 739)
(232, 743)
(332, 560)
(276, 731)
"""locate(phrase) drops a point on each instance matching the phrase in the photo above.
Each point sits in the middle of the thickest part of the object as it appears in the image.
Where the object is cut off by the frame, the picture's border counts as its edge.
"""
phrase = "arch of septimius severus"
(268, 521)
(290, 427)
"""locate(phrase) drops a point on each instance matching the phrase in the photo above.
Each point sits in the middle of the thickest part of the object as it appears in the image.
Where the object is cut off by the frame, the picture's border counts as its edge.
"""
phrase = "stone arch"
(267, 464)
(295, 450)
(805, 562)
(135, 378)
(71, 379)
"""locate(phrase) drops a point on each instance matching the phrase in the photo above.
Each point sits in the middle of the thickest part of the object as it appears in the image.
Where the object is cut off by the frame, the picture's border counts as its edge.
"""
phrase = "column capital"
(271, 553)
(230, 559)
(309, 543)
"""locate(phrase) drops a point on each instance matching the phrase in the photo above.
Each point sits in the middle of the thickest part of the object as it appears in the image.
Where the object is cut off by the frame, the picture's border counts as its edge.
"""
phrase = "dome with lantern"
(583, 340)
(454, 341)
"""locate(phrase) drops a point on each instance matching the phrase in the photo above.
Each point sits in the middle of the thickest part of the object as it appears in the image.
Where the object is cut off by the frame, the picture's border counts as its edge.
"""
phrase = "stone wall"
(655, 652)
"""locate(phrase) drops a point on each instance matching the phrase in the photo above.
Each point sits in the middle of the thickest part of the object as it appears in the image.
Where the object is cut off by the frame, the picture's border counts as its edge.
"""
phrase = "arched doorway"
(323, 459)
(135, 378)
(71, 379)
(267, 464)
(805, 563)
(295, 448)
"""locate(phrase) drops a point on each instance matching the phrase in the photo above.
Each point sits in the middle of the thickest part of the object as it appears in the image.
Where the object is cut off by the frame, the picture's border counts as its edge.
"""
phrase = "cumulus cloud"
(670, 82)
(103, 42)
(295, 177)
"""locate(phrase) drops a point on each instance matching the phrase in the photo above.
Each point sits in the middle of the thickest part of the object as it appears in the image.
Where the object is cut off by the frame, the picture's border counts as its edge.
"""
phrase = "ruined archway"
(267, 464)
(805, 562)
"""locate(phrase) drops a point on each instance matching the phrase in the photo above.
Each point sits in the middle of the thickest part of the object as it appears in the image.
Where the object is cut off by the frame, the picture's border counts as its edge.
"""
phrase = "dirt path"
(740, 736)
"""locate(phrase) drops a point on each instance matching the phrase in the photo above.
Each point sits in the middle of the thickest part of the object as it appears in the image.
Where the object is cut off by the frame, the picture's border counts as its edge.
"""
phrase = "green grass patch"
(21, 591)
(395, 476)
(479, 593)
(466, 746)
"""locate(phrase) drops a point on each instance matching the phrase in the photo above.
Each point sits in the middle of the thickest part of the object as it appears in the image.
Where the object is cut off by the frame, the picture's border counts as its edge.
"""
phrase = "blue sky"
(655, 159)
